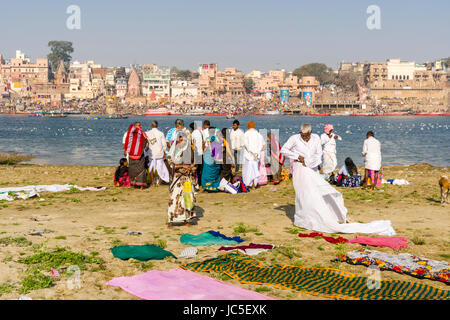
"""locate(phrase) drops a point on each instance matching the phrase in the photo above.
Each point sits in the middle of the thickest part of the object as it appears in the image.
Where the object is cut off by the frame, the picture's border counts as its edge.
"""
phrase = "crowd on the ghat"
(201, 156)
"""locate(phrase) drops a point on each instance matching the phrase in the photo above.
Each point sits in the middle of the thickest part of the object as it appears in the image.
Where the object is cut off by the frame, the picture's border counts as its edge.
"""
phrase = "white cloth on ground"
(31, 191)
(311, 150)
(160, 167)
(372, 154)
(320, 207)
(397, 182)
(189, 252)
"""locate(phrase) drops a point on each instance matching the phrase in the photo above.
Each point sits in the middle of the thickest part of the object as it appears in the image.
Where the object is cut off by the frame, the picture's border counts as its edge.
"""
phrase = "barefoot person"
(182, 170)
(318, 206)
(157, 145)
(372, 158)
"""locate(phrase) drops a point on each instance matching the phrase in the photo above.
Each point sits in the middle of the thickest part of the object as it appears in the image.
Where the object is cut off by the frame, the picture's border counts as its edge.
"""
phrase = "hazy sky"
(247, 34)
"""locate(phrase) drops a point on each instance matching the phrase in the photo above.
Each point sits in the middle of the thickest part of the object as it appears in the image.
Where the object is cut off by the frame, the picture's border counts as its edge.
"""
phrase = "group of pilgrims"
(206, 157)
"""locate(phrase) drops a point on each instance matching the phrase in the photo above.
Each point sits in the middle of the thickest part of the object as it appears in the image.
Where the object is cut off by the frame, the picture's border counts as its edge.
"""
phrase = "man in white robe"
(328, 140)
(157, 146)
(372, 157)
(253, 145)
(318, 206)
(304, 147)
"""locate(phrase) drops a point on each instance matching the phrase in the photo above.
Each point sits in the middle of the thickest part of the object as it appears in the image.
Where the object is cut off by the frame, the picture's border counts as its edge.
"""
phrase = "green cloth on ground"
(204, 239)
(142, 252)
(324, 282)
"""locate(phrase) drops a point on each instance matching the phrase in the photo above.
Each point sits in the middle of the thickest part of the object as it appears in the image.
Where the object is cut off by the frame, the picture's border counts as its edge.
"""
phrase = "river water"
(76, 140)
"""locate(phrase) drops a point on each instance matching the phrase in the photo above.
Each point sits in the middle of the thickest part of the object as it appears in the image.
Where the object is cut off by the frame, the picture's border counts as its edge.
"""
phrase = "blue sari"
(211, 165)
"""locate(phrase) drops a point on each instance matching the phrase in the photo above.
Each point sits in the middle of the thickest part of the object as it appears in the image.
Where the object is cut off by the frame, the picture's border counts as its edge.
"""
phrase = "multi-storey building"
(20, 74)
(155, 79)
(214, 82)
(405, 80)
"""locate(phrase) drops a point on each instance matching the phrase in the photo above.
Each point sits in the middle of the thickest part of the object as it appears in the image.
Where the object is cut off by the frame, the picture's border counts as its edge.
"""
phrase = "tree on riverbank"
(60, 50)
(322, 73)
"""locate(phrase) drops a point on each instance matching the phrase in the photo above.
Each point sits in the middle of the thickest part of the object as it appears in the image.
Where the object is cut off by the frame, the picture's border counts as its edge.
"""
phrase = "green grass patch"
(161, 243)
(18, 241)
(243, 228)
(6, 287)
(146, 265)
(263, 289)
(61, 238)
(418, 240)
(44, 259)
(286, 251)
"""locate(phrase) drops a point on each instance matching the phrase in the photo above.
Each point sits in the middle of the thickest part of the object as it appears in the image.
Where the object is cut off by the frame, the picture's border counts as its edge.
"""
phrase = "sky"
(246, 34)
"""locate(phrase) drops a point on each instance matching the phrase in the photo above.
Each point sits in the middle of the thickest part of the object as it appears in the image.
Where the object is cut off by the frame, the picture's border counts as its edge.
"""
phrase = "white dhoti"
(158, 165)
(250, 172)
(329, 162)
(320, 207)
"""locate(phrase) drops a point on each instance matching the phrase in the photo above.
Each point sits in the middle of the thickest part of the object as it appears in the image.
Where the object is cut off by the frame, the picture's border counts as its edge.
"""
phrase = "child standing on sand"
(121, 177)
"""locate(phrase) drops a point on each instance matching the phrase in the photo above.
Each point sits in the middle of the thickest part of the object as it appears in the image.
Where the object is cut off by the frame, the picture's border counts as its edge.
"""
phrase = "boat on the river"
(161, 111)
(318, 114)
(116, 116)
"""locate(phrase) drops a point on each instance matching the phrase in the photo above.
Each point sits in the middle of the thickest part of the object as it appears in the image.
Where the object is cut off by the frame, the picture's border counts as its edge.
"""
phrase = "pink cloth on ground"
(179, 284)
(395, 243)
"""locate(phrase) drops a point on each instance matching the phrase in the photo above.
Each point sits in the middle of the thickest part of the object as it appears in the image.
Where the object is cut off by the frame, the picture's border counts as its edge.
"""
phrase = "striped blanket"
(324, 282)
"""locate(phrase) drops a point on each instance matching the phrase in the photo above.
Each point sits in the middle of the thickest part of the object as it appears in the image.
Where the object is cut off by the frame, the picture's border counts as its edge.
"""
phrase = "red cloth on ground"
(135, 142)
(395, 243)
(250, 246)
(329, 239)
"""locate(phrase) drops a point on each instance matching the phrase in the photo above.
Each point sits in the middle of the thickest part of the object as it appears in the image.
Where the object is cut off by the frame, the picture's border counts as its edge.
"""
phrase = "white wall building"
(157, 79)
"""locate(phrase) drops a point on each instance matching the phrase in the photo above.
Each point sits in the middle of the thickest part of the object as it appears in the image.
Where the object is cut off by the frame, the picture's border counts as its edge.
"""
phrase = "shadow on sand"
(289, 210)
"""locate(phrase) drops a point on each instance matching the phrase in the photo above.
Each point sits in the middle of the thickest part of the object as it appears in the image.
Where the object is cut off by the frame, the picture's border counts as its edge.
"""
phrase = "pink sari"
(262, 169)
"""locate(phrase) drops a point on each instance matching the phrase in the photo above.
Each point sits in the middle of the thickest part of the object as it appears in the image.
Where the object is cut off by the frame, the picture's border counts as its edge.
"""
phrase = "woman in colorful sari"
(182, 170)
(135, 143)
(212, 159)
(348, 175)
(276, 158)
